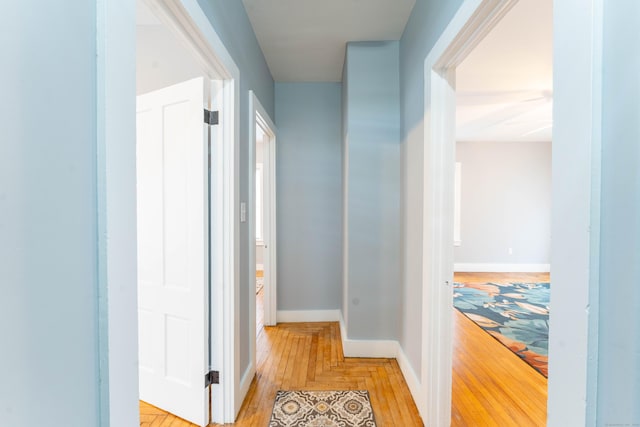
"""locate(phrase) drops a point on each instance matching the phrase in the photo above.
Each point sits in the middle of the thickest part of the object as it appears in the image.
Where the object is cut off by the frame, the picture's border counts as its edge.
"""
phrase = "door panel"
(173, 250)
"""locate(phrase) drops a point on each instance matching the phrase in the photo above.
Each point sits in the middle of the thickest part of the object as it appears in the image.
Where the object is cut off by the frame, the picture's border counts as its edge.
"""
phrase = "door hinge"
(211, 377)
(211, 117)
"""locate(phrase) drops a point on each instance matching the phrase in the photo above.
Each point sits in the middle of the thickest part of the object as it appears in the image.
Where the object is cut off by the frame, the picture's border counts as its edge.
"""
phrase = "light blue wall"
(373, 285)
(427, 21)
(231, 22)
(309, 183)
(48, 229)
(619, 328)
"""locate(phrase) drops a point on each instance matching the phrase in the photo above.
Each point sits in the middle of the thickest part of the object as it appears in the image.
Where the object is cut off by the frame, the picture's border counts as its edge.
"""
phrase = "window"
(456, 205)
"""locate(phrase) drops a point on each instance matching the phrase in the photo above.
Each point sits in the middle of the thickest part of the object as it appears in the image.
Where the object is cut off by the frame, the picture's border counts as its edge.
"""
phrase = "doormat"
(516, 314)
(322, 409)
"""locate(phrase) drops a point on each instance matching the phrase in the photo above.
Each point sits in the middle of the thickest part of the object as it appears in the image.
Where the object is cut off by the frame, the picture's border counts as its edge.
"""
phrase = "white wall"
(506, 203)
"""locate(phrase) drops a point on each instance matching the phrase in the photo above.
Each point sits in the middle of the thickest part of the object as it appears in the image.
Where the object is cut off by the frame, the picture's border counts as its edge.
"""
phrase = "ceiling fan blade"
(501, 97)
(505, 116)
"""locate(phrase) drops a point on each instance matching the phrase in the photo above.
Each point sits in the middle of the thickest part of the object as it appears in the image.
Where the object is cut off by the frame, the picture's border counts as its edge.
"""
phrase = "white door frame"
(258, 116)
(574, 383)
(270, 236)
(116, 96)
(187, 21)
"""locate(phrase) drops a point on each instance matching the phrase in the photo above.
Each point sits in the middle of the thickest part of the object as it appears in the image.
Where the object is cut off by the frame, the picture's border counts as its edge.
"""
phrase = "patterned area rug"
(322, 409)
(516, 314)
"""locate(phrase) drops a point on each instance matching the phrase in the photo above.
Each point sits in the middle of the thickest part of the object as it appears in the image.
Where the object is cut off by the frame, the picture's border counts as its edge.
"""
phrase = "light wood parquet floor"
(491, 385)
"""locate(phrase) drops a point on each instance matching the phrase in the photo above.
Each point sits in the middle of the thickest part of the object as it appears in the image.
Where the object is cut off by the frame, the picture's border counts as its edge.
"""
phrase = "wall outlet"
(243, 212)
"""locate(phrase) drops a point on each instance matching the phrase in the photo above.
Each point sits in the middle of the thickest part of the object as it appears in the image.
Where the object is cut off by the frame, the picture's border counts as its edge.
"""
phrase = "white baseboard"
(245, 383)
(387, 349)
(295, 316)
(413, 382)
(501, 268)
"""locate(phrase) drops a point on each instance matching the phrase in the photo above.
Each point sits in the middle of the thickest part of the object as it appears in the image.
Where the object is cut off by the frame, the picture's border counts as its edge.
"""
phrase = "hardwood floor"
(491, 385)
(150, 416)
(259, 311)
(308, 356)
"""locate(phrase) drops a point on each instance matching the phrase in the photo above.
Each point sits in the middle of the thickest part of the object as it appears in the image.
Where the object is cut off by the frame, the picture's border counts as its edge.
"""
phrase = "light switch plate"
(243, 212)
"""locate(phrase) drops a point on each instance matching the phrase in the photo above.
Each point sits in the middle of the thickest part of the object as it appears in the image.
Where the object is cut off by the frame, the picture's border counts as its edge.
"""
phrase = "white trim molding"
(301, 316)
(576, 188)
(412, 379)
(247, 379)
(258, 116)
(500, 268)
(377, 349)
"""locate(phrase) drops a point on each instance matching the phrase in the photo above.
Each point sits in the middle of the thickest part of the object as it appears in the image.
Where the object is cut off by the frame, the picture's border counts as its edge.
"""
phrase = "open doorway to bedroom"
(260, 243)
(265, 217)
(172, 231)
(263, 223)
(502, 223)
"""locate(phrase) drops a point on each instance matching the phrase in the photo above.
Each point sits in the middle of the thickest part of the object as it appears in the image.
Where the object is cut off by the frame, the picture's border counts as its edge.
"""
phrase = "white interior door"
(268, 225)
(173, 299)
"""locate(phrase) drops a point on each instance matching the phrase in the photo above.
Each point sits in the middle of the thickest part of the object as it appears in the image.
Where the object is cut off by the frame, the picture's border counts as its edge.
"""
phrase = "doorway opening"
(473, 21)
(260, 244)
(186, 219)
(502, 236)
(263, 258)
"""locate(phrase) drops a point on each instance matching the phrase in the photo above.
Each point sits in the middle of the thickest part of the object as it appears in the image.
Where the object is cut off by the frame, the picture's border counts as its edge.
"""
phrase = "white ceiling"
(144, 16)
(304, 40)
(504, 87)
